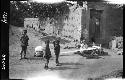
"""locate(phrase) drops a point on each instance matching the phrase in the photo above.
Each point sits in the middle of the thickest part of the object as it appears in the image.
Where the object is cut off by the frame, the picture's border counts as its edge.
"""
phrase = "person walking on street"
(47, 54)
(24, 43)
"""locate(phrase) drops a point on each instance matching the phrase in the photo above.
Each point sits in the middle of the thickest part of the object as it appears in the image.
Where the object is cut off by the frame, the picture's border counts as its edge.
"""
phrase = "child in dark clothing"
(57, 51)
(24, 43)
(47, 54)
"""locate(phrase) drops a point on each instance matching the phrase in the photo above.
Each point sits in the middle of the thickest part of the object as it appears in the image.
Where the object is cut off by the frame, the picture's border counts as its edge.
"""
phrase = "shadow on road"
(38, 58)
(93, 57)
(35, 58)
(62, 68)
(71, 64)
(66, 55)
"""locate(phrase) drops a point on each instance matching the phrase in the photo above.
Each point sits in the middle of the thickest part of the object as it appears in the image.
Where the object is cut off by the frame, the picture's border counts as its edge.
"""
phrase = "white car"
(39, 51)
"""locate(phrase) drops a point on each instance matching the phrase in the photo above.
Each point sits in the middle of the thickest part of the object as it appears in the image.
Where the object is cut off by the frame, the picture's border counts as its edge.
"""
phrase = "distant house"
(32, 23)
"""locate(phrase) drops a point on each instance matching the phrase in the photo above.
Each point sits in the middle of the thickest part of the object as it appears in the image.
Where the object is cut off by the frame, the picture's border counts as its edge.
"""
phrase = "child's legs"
(25, 48)
(22, 51)
(57, 57)
(47, 62)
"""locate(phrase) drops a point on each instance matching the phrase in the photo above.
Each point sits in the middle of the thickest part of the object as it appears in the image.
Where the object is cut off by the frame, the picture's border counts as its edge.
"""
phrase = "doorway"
(94, 25)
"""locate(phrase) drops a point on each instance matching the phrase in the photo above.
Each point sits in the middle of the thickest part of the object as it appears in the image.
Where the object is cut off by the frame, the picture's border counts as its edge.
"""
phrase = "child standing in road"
(47, 54)
(57, 51)
(24, 43)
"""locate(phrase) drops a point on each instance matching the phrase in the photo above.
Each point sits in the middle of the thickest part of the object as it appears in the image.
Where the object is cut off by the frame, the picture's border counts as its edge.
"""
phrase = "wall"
(85, 17)
(67, 27)
(72, 26)
(111, 21)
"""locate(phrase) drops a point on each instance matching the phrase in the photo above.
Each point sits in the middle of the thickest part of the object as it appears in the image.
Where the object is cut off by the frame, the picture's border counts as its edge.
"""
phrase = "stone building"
(96, 21)
(104, 21)
(32, 23)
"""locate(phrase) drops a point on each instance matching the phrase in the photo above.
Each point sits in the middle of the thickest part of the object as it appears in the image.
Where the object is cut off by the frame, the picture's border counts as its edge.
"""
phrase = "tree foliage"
(20, 10)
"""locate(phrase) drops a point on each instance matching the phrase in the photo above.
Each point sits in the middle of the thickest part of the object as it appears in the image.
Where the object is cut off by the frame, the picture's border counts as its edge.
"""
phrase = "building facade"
(104, 22)
(32, 23)
(96, 22)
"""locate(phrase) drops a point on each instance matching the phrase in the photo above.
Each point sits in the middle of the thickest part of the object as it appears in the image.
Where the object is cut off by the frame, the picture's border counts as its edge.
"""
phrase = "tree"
(20, 10)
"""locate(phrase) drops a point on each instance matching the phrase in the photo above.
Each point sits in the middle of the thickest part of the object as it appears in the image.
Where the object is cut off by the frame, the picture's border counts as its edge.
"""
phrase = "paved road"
(73, 66)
